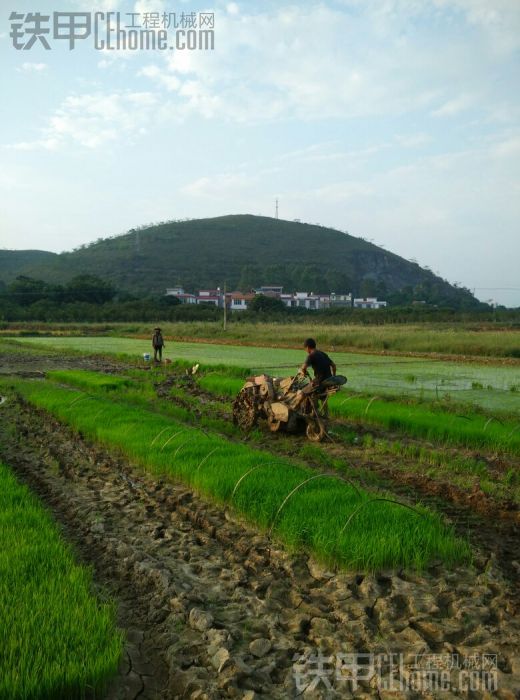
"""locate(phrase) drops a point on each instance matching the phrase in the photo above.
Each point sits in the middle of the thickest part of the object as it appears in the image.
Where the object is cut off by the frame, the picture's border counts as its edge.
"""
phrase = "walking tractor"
(293, 404)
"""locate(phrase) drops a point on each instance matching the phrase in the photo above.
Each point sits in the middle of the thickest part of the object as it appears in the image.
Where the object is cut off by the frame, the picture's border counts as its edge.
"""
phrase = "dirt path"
(212, 610)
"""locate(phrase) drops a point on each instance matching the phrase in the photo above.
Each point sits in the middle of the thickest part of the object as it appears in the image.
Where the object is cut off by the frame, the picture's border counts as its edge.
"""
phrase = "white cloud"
(453, 107)
(224, 185)
(507, 148)
(340, 192)
(166, 80)
(92, 120)
(146, 6)
(99, 5)
(45, 144)
(498, 20)
(232, 8)
(28, 67)
(413, 140)
(318, 62)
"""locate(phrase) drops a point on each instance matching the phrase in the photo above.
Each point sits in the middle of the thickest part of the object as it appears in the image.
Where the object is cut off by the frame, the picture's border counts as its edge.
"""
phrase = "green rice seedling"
(220, 385)
(89, 380)
(473, 430)
(57, 640)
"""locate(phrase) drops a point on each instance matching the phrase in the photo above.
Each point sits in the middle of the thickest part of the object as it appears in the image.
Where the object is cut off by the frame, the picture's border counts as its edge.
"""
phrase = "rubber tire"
(315, 435)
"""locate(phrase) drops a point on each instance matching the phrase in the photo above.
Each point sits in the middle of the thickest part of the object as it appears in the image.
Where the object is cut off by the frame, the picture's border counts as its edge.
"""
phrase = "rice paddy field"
(471, 339)
(401, 528)
(488, 386)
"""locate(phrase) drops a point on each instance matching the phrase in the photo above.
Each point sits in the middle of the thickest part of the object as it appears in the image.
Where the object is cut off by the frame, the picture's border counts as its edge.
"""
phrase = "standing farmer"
(157, 344)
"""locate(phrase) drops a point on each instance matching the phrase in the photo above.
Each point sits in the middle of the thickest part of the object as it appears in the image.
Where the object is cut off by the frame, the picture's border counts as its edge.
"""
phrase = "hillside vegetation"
(243, 251)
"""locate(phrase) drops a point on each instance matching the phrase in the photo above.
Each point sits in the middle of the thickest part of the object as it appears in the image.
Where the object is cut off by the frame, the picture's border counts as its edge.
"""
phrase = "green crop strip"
(340, 524)
(91, 380)
(56, 639)
(138, 389)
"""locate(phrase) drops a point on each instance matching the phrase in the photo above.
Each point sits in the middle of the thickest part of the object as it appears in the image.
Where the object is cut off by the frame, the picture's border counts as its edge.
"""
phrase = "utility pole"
(276, 209)
(225, 307)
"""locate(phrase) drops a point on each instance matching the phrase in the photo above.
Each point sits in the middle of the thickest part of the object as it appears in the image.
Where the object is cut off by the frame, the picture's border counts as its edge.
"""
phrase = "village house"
(270, 291)
(369, 303)
(237, 301)
(211, 296)
(179, 293)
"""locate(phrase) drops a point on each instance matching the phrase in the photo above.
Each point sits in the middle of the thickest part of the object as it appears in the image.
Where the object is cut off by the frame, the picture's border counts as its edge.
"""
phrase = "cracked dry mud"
(212, 609)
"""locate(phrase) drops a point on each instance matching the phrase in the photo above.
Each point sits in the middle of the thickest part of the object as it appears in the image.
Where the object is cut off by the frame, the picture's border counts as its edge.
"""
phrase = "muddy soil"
(212, 609)
(32, 362)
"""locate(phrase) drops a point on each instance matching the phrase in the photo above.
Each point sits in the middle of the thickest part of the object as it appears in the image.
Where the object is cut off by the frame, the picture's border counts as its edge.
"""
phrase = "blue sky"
(396, 120)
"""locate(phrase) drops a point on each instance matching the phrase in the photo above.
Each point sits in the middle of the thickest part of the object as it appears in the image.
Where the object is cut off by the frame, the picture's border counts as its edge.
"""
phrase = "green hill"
(16, 262)
(244, 251)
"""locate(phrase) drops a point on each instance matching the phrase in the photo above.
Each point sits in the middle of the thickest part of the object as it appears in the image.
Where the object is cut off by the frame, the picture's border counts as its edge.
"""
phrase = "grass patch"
(379, 534)
(57, 640)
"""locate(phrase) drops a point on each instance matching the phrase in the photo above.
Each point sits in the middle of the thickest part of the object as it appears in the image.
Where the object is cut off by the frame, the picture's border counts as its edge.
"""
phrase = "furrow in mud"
(212, 609)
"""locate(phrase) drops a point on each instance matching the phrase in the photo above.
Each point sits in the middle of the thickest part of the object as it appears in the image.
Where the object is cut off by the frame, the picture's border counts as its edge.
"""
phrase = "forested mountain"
(244, 251)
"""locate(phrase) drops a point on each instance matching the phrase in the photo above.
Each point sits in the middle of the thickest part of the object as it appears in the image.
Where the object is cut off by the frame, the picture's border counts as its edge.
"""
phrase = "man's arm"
(304, 368)
(333, 368)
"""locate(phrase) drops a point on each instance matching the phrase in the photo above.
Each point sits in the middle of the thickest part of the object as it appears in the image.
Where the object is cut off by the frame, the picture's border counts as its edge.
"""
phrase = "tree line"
(87, 298)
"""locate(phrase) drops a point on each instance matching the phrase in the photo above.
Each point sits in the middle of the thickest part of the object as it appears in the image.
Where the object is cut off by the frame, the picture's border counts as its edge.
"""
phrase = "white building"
(178, 293)
(174, 291)
(301, 300)
(340, 299)
(270, 290)
(369, 303)
(236, 301)
(211, 296)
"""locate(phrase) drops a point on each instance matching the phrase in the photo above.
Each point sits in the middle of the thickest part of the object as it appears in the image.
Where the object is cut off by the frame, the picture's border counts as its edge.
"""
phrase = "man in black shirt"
(320, 362)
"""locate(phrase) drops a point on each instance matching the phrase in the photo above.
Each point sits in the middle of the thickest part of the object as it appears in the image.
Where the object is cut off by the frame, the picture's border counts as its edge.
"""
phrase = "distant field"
(462, 338)
(494, 388)
(457, 339)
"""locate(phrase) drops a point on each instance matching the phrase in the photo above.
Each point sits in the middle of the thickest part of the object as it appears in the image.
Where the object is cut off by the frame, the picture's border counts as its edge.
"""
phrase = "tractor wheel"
(315, 431)
(244, 411)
